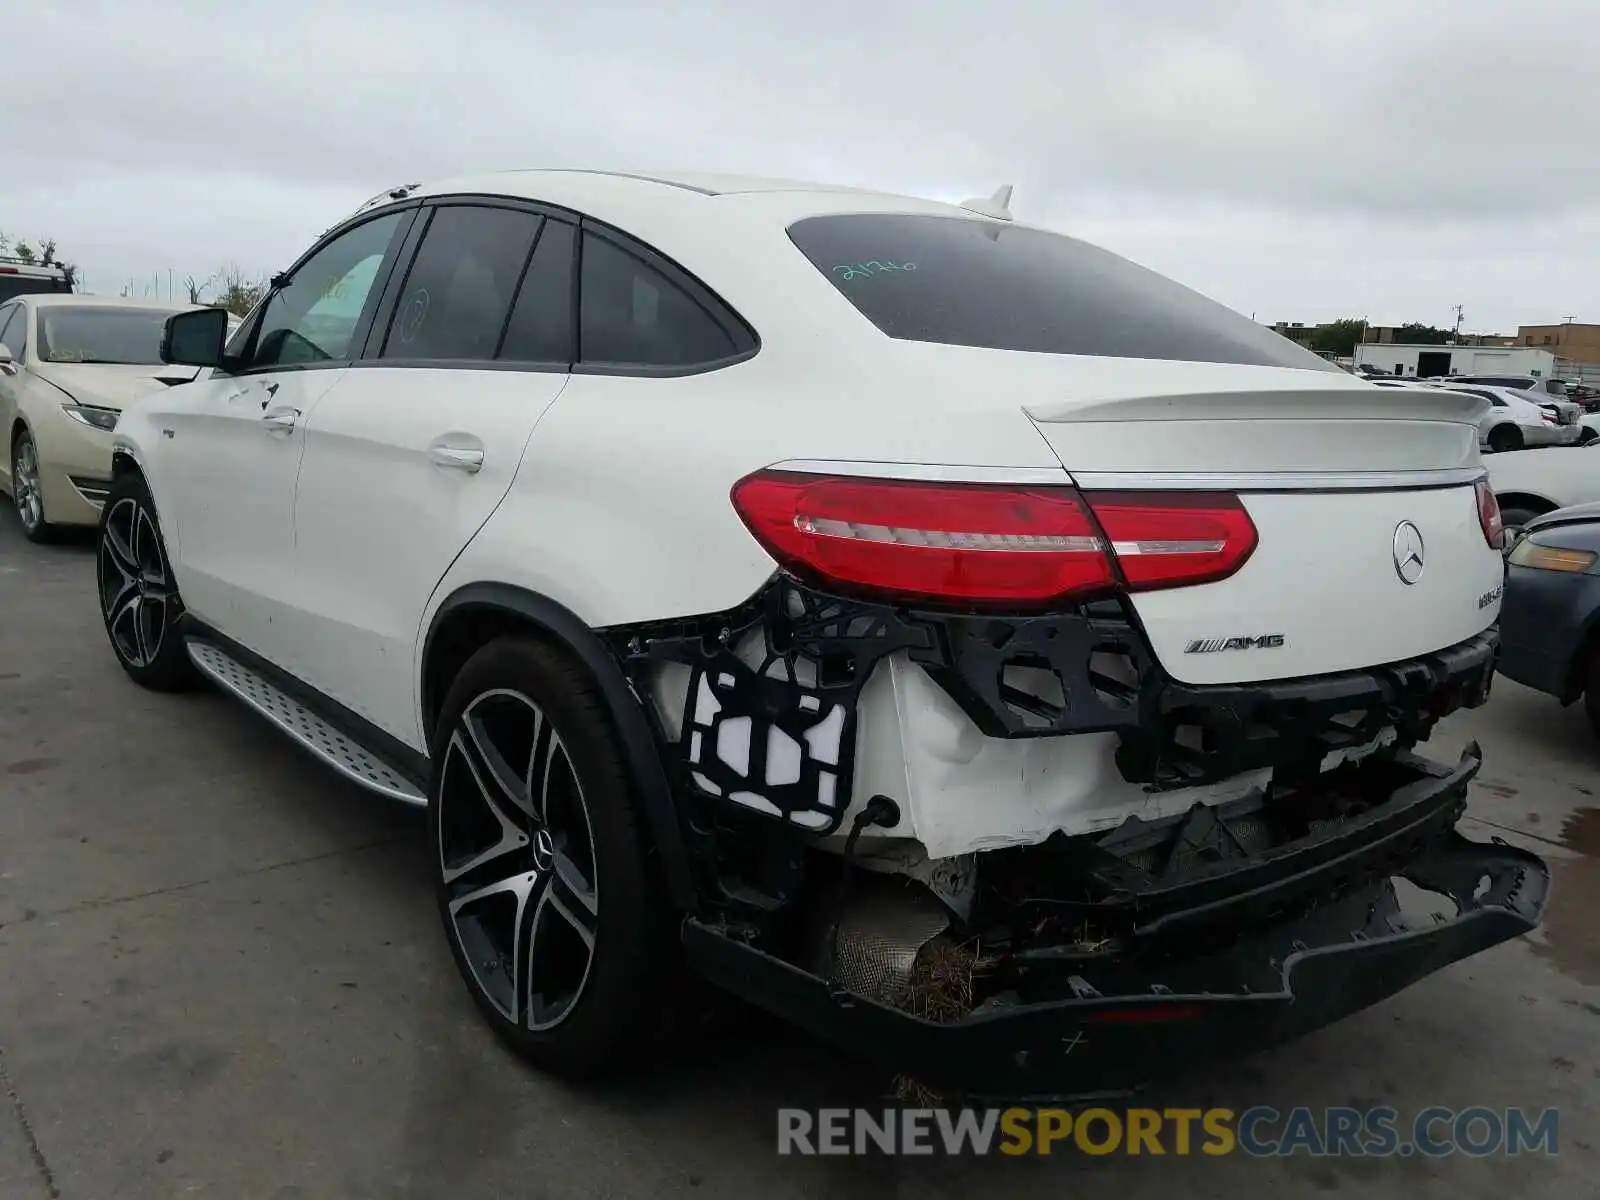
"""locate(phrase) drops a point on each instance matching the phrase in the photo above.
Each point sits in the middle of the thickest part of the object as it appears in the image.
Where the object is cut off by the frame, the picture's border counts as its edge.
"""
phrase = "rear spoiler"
(1361, 403)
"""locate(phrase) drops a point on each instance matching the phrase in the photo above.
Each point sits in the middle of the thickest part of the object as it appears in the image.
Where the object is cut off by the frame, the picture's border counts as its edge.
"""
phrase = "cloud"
(1308, 159)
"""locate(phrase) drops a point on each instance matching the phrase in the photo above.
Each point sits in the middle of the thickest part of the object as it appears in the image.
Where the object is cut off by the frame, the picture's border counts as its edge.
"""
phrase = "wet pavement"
(221, 975)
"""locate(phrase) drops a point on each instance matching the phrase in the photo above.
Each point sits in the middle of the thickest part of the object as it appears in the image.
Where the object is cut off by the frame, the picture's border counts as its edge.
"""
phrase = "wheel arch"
(1513, 498)
(475, 614)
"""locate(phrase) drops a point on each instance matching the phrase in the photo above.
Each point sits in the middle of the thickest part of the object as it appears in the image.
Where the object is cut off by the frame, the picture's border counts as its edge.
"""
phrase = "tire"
(26, 493)
(557, 923)
(1588, 435)
(1503, 438)
(1513, 519)
(139, 600)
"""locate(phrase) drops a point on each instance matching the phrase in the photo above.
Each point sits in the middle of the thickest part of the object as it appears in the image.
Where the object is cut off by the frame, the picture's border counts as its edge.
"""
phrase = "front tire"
(556, 922)
(139, 601)
(27, 490)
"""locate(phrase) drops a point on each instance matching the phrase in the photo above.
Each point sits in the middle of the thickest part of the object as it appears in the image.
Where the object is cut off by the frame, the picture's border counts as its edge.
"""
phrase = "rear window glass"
(980, 283)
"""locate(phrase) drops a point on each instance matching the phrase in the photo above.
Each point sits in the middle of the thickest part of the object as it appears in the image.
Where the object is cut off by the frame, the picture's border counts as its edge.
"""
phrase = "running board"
(352, 760)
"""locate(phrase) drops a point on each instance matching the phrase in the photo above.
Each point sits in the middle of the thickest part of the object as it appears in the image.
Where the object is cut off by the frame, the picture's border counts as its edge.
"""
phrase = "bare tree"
(238, 292)
(196, 288)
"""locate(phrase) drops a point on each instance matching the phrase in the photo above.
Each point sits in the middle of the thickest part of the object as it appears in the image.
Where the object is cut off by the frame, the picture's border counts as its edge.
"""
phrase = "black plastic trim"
(405, 760)
(627, 711)
(1166, 1017)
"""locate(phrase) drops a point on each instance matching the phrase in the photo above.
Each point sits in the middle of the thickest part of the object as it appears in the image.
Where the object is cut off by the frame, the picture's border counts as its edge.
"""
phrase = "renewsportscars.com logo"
(1259, 1132)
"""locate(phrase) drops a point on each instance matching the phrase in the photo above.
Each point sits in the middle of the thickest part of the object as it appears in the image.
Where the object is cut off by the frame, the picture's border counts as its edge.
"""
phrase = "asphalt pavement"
(221, 975)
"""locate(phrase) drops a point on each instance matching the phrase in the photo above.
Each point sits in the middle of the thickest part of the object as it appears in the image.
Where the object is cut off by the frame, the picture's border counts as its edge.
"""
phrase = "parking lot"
(221, 975)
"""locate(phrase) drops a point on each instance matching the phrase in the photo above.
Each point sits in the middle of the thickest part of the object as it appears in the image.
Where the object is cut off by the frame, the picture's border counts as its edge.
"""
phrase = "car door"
(411, 453)
(232, 442)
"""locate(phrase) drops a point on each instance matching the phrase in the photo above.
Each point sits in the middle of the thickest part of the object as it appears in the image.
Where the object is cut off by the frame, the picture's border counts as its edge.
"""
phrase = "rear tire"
(1588, 435)
(139, 601)
(1503, 438)
(558, 925)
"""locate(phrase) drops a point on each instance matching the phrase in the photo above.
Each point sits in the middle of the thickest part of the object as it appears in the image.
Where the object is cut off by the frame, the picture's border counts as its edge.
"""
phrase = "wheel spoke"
(150, 622)
(119, 551)
(124, 626)
(147, 549)
(512, 836)
(573, 898)
(497, 977)
(501, 785)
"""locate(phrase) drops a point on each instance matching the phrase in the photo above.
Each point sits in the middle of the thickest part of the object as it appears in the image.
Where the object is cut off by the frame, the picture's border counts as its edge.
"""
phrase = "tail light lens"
(988, 543)
(1489, 515)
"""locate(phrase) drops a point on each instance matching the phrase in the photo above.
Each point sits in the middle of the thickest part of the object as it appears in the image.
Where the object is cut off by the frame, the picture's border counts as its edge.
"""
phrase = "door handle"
(457, 458)
(280, 420)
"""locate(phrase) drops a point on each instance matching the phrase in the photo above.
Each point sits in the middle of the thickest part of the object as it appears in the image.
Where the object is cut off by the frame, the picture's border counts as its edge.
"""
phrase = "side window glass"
(540, 330)
(633, 315)
(313, 317)
(8, 315)
(460, 288)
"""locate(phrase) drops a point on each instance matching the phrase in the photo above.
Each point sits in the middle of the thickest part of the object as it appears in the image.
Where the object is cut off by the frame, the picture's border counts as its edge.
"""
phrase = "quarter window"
(314, 316)
(633, 315)
(9, 317)
(460, 289)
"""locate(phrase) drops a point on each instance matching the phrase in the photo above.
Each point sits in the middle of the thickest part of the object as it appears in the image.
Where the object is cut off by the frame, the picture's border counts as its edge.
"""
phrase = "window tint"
(633, 315)
(313, 317)
(980, 283)
(461, 286)
(79, 334)
(540, 330)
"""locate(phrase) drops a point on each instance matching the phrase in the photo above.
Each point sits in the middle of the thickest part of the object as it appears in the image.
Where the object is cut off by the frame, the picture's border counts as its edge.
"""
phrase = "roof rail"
(32, 262)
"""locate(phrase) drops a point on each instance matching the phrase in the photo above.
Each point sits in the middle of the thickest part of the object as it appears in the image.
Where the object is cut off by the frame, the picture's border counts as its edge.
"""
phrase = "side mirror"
(195, 338)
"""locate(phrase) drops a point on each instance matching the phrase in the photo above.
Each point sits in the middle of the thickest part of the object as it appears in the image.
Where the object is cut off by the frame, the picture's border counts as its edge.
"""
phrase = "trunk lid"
(1346, 485)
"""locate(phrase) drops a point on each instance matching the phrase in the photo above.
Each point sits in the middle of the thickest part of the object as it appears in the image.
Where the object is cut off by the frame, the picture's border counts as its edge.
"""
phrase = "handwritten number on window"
(865, 270)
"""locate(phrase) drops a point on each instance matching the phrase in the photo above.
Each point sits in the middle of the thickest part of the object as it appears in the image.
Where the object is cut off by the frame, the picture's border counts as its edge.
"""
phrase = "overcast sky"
(1296, 160)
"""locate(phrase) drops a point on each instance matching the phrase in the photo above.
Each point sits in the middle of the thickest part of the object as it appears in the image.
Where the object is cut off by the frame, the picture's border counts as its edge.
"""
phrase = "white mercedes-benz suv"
(986, 653)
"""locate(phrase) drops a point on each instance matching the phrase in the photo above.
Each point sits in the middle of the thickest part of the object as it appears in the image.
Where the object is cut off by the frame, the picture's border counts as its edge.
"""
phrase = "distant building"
(1428, 362)
(1300, 334)
(1569, 340)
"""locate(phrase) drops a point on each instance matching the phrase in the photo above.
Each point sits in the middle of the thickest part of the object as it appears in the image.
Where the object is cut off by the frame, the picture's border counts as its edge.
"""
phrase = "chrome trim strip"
(1278, 481)
(926, 472)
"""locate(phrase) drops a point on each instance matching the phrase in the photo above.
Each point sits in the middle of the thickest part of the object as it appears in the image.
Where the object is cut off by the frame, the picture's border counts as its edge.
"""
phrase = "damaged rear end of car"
(1048, 782)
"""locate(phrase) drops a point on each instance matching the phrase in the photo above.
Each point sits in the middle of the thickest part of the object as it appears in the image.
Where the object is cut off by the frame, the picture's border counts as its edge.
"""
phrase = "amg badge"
(1267, 641)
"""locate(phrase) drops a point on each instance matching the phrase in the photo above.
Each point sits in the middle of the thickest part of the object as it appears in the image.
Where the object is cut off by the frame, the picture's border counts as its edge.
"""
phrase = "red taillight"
(989, 543)
(1170, 539)
(1489, 515)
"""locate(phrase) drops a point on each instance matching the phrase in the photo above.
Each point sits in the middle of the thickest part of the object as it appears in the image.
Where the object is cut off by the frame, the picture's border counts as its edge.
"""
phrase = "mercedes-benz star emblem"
(1407, 552)
(544, 850)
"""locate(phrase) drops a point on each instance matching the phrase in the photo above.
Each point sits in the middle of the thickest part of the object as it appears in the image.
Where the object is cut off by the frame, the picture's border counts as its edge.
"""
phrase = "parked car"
(27, 277)
(1530, 483)
(1553, 388)
(817, 586)
(67, 366)
(1513, 421)
(1550, 616)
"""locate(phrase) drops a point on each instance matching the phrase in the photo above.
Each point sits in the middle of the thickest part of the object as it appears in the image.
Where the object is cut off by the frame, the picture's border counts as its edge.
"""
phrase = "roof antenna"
(997, 206)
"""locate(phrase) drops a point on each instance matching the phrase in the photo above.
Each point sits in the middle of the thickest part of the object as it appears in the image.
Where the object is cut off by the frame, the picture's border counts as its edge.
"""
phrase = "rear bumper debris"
(1235, 957)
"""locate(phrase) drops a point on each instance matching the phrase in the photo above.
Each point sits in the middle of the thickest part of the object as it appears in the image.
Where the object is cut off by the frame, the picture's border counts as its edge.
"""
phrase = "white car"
(1513, 421)
(819, 586)
(1530, 482)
